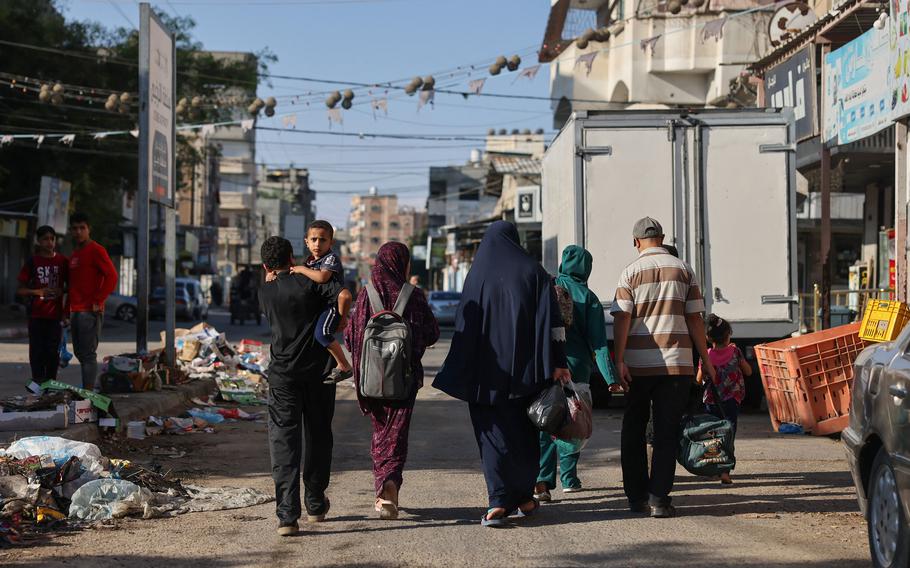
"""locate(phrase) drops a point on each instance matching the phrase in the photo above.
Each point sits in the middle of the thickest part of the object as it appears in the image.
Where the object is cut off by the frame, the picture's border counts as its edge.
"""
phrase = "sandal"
(388, 510)
(337, 375)
(495, 522)
(519, 513)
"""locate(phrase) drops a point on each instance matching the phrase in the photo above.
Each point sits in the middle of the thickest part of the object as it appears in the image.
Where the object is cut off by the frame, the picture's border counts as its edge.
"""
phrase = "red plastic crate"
(807, 379)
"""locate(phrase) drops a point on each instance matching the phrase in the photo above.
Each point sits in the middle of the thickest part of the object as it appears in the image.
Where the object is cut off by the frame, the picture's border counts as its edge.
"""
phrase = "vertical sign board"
(856, 95)
(157, 139)
(792, 84)
(54, 203)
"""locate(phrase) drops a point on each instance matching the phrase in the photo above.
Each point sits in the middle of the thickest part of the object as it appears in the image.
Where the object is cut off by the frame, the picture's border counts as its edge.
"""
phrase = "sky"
(370, 41)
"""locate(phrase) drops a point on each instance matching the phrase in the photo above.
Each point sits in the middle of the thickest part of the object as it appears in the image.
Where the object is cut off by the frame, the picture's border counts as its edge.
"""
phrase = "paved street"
(792, 504)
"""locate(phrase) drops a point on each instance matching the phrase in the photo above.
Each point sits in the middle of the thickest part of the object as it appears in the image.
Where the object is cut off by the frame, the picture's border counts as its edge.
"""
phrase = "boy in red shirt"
(92, 278)
(42, 281)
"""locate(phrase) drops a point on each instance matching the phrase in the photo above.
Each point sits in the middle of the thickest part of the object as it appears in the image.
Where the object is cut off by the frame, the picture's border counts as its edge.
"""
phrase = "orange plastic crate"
(807, 379)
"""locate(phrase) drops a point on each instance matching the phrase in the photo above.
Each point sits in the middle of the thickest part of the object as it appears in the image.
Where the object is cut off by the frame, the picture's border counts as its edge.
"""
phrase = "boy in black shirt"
(323, 266)
(292, 305)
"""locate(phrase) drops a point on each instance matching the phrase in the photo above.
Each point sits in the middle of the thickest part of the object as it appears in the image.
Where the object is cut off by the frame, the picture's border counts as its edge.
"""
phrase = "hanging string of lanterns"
(501, 62)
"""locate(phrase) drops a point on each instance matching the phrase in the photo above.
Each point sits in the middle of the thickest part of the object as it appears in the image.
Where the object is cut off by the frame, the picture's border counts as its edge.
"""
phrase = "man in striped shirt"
(658, 322)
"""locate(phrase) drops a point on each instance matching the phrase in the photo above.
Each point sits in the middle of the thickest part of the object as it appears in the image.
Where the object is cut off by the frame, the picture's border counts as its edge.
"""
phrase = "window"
(375, 224)
(376, 209)
(469, 194)
(394, 224)
(375, 240)
(438, 188)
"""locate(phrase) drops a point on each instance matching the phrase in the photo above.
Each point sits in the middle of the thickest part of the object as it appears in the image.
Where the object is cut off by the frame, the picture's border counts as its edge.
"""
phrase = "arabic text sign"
(792, 84)
(856, 95)
(160, 113)
(899, 79)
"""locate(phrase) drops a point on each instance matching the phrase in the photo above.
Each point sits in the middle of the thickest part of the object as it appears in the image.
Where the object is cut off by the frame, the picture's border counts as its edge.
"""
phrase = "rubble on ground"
(202, 353)
(48, 482)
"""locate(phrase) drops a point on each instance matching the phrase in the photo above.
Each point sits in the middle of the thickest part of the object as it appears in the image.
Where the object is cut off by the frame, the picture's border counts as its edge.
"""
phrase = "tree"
(92, 63)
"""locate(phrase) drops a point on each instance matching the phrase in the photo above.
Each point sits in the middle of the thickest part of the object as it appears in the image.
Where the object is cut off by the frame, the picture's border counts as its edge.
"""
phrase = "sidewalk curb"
(14, 333)
(169, 401)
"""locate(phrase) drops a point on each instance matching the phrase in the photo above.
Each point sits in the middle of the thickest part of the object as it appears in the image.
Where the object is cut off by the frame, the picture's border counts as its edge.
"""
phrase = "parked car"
(877, 441)
(121, 307)
(200, 307)
(184, 304)
(444, 306)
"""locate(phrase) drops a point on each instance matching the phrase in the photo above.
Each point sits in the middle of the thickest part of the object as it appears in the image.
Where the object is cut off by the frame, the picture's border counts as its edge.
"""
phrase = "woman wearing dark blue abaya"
(508, 346)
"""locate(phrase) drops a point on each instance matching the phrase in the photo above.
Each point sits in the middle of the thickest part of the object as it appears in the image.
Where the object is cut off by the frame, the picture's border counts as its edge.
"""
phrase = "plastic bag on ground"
(109, 499)
(549, 410)
(574, 435)
(59, 449)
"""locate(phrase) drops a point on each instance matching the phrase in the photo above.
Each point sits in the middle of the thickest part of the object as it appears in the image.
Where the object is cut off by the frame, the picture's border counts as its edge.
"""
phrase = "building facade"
(651, 57)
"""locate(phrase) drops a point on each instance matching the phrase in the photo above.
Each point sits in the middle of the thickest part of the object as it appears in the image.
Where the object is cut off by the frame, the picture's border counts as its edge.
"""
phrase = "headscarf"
(574, 272)
(502, 345)
(587, 334)
(388, 275)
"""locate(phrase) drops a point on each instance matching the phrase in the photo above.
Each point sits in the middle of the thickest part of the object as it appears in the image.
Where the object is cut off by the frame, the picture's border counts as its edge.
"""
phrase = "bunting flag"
(425, 97)
(588, 60)
(39, 138)
(335, 116)
(714, 28)
(134, 133)
(650, 43)
(246, 125)
(380, 104)
(100, 136)
(6, 139)
(207, 130)
(475, 86)
(68, 139)
(289, 121)
(529, 72)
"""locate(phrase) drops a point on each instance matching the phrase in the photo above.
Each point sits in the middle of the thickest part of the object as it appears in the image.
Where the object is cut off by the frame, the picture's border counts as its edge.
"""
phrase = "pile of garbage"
(196, 420)
(203, 352)
(46, 482)
(53, 405)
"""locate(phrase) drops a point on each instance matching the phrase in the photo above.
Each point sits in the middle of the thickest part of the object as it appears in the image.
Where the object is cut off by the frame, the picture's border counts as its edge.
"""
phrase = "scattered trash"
(790, 428)
(46, 481)
(109, 499)
(210, 417)
(135, 430)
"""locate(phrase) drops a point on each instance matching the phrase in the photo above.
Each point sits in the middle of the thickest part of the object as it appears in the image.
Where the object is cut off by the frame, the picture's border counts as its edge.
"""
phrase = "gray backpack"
(385, 356)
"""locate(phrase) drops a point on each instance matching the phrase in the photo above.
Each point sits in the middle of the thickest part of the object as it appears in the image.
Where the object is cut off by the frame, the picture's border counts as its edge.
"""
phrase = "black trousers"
(669, 396)
(300, 410)
(509, 451)
(44, 348)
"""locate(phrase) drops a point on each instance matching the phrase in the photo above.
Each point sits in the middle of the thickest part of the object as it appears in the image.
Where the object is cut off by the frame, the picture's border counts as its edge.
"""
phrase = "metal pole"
(170, 268)
(900, 210)
(142, 194)
(825, 248)
(815, 307)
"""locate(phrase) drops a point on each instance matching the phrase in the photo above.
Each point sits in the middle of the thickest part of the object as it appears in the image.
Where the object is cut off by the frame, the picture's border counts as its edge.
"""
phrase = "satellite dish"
(788, 21)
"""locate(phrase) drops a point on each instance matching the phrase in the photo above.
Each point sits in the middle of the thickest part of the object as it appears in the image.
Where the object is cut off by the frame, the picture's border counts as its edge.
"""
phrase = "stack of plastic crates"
(884, 320)
(807, 379)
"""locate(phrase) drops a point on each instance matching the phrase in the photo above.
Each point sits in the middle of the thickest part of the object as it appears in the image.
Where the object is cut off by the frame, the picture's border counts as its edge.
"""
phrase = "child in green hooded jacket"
(586, 344)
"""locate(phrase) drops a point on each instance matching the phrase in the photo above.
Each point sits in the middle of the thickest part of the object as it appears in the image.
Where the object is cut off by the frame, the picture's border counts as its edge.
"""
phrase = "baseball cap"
(647, 228)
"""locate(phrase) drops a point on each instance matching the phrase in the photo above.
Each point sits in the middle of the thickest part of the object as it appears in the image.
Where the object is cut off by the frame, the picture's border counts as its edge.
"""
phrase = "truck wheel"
(889, 535)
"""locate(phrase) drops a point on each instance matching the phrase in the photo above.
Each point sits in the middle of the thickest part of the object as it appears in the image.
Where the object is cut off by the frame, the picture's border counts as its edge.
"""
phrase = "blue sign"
(857, 97)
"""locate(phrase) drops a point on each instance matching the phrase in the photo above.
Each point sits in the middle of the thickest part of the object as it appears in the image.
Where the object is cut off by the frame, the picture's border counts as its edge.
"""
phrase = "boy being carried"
(321, 267)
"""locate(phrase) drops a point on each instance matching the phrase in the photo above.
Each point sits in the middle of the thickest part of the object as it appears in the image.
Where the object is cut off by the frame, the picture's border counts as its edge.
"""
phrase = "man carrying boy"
(92, 278)
(300, 403)
(42, 281)
(322, 266)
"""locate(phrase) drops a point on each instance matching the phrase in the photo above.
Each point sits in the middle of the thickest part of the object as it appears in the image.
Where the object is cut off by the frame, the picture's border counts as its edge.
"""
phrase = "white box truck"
(721, 182)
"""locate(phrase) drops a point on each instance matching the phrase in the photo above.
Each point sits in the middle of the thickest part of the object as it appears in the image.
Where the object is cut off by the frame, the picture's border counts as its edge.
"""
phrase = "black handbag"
(550, 409)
